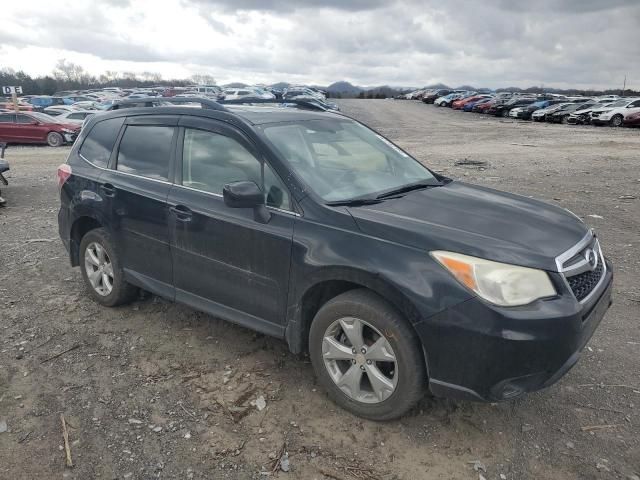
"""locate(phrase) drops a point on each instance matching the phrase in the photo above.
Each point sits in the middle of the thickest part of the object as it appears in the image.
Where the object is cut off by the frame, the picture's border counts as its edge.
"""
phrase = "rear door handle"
(108, 189)
(181, 212)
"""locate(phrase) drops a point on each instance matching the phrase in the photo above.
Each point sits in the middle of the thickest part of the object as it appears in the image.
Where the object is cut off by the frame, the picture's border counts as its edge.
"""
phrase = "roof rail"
(310, 104)
(204, 102)
(219, 105)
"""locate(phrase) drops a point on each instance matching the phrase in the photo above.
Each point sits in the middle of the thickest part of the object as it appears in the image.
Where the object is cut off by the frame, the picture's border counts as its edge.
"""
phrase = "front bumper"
(70, 137)
(480, 352)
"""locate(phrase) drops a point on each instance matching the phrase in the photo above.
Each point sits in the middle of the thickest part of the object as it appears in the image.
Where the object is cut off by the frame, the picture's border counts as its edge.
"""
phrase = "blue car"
(71, 99)
(41, 102)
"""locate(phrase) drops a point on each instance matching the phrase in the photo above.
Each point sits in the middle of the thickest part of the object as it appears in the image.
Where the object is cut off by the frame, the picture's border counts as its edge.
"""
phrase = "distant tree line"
(71, 76)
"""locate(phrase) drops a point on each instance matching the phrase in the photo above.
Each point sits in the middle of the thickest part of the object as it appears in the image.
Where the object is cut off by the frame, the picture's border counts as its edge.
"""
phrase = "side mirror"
(246, 194)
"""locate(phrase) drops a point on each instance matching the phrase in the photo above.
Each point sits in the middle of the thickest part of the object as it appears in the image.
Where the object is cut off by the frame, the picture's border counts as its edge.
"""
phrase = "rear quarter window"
(97, 146)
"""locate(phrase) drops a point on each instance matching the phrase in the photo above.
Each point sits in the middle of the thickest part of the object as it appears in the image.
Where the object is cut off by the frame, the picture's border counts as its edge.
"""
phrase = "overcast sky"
(493, 43)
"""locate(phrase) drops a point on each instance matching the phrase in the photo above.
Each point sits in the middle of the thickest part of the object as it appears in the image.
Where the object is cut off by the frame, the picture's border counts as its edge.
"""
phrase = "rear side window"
(7, 118)
(145, 150)
(97, 146)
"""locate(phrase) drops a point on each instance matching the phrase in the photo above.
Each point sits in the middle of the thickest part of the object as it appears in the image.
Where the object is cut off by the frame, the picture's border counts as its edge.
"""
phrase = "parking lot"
(156, 390)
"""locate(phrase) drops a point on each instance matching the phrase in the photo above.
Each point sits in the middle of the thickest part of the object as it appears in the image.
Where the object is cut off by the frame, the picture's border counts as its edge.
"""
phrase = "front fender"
(406, 277)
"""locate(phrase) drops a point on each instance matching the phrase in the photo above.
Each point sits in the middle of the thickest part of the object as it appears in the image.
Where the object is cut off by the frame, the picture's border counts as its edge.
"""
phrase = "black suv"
(311, 227)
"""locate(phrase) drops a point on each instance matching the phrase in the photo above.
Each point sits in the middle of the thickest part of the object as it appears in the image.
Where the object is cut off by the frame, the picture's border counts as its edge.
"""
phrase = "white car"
(240, 93)
(57, 110)
(76, 117)
(515, 111)
(615, 113)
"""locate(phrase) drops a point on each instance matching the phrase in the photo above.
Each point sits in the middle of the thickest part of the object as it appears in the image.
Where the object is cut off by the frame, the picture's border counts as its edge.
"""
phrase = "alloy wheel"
(360, 360)
(99, 268)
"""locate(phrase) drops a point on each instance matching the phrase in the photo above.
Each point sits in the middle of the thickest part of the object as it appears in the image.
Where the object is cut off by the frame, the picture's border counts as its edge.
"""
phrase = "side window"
(98, 144)
(635, 104)
(25, 119)
(145, 150)
(211, 160)
(7, 118)
(76, 116)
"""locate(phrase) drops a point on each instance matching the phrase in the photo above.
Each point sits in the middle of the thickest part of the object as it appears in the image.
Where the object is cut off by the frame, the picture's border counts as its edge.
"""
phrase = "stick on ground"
(67, 448)
(77, 345)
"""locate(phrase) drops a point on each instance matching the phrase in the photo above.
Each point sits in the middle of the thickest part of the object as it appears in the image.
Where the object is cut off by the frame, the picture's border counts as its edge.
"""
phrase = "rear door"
(30, 129)
(8, 127)
(136, 188)
(225, 261)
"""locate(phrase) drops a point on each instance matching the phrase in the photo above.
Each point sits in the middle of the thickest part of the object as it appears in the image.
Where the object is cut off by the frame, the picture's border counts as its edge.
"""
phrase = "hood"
(70, 126)
(476, 221)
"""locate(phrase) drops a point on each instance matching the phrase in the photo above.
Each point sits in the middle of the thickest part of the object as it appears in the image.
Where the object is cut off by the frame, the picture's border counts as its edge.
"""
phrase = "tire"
(505, 113)
(54, 139)
(407, 372)
(564, 120)
(120, 292)
(616, 121)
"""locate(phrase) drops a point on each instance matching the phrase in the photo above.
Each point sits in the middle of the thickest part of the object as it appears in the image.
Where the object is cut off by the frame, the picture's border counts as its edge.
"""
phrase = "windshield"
(619, 103)
(342, 159)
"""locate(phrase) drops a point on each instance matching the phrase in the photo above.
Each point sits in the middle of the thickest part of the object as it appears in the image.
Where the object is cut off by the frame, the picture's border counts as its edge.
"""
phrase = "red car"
(35, 127)
(460, 103)
(632, 120)
(483, 107)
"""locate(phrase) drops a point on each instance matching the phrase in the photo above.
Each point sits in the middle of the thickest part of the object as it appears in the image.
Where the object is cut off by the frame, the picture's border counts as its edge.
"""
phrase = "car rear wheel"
(366, 356)
(505, 113)
(54, 139)
(101, 270)
(564, 119)
(616, 121)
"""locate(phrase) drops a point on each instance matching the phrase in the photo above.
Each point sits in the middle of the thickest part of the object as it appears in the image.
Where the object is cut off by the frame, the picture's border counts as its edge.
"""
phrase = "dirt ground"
(156, 390)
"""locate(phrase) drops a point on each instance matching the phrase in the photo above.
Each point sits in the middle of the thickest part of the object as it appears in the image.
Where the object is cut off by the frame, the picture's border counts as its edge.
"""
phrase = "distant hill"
(439, 86)
(280, 85)
(344, 88)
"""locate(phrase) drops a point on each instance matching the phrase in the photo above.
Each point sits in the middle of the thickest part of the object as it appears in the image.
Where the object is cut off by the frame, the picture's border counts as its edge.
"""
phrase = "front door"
(224, 261)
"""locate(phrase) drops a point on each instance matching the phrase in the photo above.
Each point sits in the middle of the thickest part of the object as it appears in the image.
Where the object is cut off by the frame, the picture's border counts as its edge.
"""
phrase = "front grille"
(584, 283)
(583, 267)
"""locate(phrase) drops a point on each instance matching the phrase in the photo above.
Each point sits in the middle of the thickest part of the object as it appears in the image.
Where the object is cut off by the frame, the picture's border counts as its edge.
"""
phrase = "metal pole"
(14, 97)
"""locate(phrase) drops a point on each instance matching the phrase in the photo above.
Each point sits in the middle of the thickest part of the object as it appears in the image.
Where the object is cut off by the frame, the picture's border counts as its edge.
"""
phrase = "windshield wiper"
(354, 202)
(406, 189)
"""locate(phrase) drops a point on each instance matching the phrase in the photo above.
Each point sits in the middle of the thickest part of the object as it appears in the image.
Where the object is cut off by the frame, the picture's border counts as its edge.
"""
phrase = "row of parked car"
(609, 110)
(56, 120)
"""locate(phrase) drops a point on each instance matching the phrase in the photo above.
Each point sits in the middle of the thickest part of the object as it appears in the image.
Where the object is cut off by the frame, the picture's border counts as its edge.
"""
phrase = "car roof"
(251, 114)
(259, 115)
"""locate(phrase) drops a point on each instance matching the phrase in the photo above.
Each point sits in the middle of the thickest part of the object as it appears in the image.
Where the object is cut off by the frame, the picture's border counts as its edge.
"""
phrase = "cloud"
(582, 43)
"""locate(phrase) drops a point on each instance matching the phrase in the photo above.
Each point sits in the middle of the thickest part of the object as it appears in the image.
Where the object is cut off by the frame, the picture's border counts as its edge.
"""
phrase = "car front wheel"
(616, 121)
(101, 270)
(366, 356)
(54, 139)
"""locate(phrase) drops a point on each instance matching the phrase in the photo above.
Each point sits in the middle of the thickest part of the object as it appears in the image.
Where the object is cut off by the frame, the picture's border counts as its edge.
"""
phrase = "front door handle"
(108, 189)
(182, 213)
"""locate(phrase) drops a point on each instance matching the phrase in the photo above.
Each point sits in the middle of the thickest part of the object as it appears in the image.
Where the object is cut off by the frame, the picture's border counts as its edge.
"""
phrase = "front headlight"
(498, 283)
(66, 130)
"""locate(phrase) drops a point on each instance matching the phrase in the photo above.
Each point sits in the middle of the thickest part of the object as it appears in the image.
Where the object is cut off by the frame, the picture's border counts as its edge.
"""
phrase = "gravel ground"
(156, 390)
